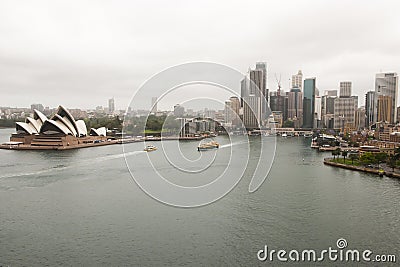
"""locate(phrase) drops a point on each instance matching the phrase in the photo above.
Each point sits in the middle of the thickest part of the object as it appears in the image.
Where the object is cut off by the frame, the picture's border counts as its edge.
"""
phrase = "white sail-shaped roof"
(62, 122)
(98, 132)
(66, 122)
(63, 112)
(55, 126)
(25, 127)
(37, 115)
(31, 125)
(35, 123)
(82, 130)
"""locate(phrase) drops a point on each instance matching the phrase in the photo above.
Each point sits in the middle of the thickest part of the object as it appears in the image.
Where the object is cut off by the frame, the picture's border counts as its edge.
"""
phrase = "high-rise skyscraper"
(345, 89)
(345, 107)
(235, 107)
(256, 82)
(370, 108)
(297, 80)
(309, 102)
(111, 105)
(344, 110)
(251, 112)
(384, 108)
(295, 104)
(387, 84)
(328, 108)
(318, 114)
(253, 90)
(263, 67)
(251, 103)
(360, 118)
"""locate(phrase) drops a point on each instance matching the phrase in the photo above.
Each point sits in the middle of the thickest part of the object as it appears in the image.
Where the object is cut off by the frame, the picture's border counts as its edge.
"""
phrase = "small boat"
(207, 146)
(307, 135)
(327, 148)
(150, 148)
(284, 135)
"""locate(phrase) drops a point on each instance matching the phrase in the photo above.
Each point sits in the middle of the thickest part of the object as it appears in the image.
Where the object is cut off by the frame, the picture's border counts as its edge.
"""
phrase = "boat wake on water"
(64, 167)
(233, 144)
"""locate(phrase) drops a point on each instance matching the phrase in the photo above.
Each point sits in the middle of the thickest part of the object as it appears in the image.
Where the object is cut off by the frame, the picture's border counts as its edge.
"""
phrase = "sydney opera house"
(61, 131)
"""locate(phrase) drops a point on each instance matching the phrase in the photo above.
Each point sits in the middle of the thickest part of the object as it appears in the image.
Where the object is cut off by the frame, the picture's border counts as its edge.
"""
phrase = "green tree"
(344, 154)
(353, 156)
(397, 153)
(380, 157)
(391, 162)
(367, 158)
(335, 153)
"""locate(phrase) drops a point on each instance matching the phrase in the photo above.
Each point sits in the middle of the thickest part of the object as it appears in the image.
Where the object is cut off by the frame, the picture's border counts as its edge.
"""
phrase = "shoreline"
(104, 143)
(327, 161)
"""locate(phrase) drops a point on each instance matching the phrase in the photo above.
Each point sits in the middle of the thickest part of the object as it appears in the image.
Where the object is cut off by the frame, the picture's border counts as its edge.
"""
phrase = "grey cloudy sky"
(80, 53)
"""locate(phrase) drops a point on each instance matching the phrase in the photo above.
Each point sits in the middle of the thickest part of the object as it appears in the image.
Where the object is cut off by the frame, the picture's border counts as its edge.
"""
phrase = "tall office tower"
(344, 110)
(295, 104)
(345, 89)
(257, 88)
(328, 110)
(244, 89)
(398, 113)
(387, 84)
(251, 112)
(235, 106)
(318, 115)
(370, 108)
(309, 102)
(252, 91)
(256, 82)
(297, 80)
(360, 118)
(228, 113)
(355, 97)
(279, 102)
(330, 92)
(154, 105)
(385, 108)
(111, 105)
(263, 67)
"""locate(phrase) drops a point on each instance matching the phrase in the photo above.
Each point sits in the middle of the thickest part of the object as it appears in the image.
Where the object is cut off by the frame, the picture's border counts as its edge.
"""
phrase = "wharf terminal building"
(61, 131)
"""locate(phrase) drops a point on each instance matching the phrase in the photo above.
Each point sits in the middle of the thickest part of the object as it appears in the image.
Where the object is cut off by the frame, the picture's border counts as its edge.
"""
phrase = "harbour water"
(82, 207)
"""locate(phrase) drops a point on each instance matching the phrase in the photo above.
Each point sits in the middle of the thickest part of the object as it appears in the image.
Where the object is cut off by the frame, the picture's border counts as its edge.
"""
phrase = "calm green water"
(81, 207)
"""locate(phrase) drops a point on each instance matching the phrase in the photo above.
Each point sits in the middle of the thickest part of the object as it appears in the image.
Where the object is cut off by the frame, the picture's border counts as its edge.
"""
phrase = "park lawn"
(347, 161)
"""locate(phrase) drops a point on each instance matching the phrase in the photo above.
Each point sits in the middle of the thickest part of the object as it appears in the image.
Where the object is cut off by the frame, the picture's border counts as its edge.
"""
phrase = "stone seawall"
(328, 161)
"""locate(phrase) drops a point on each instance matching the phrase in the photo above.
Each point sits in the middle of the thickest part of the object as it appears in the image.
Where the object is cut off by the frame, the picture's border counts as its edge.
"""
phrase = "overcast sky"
(80, 53)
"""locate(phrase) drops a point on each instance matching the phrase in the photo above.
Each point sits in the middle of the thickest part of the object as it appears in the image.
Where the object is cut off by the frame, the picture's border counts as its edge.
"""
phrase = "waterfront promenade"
(380, 171)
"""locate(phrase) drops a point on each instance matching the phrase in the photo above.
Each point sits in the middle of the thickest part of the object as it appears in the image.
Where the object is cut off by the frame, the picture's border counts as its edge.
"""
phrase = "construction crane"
(278, 81)
(279, 98)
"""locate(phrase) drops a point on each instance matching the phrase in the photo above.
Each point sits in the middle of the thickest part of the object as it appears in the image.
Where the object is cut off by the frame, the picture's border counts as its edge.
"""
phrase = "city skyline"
(49, 48)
